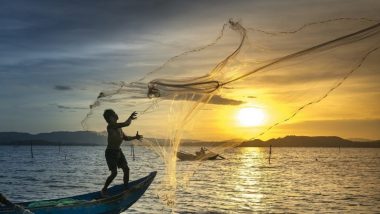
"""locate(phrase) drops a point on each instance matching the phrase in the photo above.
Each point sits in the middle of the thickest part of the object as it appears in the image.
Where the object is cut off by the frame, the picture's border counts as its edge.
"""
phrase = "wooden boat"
(187, 156)
(118, 201)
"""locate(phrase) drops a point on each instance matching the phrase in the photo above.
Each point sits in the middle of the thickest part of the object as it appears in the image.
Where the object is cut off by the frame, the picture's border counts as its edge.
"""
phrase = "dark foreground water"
(298, 180)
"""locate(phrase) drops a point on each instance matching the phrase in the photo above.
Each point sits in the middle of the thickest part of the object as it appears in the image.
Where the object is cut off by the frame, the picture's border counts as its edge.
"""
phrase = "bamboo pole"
(270, 153)
(31, 149)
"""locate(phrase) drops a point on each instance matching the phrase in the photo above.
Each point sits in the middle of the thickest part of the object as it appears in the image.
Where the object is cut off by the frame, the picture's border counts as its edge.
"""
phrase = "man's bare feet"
(104, 193)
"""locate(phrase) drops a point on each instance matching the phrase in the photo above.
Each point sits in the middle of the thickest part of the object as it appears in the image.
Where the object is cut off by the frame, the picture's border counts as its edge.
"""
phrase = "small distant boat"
(118, 201)
(184, 156)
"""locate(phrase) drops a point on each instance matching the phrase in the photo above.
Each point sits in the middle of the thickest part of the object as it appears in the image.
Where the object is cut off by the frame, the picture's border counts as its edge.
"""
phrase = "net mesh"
(282, 73)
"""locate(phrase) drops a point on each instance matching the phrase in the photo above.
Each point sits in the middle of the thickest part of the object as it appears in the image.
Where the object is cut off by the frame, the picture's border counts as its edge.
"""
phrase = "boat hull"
(119, 200)
(189, 157)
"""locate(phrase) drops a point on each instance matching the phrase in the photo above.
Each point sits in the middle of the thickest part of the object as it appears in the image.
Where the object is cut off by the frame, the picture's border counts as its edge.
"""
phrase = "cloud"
(70, 107)
(216, 99)
(62, 87)
(219, 100)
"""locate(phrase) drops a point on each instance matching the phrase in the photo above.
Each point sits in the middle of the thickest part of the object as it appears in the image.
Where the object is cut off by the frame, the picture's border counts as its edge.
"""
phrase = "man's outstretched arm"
(136, 137)
(125, 123)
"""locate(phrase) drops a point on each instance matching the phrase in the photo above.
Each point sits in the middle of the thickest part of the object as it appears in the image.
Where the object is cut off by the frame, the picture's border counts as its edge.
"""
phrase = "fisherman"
(114, 156)
(201, 152)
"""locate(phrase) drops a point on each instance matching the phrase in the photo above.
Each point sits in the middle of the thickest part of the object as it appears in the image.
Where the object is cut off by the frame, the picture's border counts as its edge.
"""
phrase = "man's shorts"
(115, 158)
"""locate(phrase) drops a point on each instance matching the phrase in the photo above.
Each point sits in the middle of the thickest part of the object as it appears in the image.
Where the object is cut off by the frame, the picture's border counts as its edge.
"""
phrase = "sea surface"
(298, 180)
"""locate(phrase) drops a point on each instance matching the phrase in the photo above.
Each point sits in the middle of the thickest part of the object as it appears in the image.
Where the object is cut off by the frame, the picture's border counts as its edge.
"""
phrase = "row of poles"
(133, 151)
(31, 149)
(59, 149)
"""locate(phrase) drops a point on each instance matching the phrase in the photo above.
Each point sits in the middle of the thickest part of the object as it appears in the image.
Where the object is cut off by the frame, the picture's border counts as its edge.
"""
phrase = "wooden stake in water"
(270, 153)
(133, 151)
(31, 149)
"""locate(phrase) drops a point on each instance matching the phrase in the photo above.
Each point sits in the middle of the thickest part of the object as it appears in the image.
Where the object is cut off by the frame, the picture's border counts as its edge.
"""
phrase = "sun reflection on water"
(248, 182)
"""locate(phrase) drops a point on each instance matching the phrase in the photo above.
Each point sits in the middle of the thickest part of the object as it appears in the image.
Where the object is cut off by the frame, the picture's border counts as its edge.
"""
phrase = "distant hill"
(94, 138)
(53, 138)
(359, 139)
(307, 141)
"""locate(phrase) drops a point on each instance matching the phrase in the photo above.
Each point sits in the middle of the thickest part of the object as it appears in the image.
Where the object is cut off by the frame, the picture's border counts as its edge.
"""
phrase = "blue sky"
(55, 56)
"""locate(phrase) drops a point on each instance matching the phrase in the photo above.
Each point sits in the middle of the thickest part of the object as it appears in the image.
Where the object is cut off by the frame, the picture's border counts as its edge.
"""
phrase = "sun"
(251, 116)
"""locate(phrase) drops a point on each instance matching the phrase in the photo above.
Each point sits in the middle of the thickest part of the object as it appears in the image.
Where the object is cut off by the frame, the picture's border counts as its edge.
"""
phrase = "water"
(298, 180)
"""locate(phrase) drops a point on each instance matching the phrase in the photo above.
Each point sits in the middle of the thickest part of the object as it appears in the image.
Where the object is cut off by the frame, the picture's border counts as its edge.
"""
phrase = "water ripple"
(298, 180)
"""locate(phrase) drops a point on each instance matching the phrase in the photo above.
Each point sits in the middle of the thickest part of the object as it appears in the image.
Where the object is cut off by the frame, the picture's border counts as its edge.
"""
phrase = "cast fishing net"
(281, 72)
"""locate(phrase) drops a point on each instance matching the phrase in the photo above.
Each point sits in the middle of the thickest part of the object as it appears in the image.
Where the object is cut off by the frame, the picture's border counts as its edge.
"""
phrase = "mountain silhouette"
(95, 138)
(311, 141)
(53, 138)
